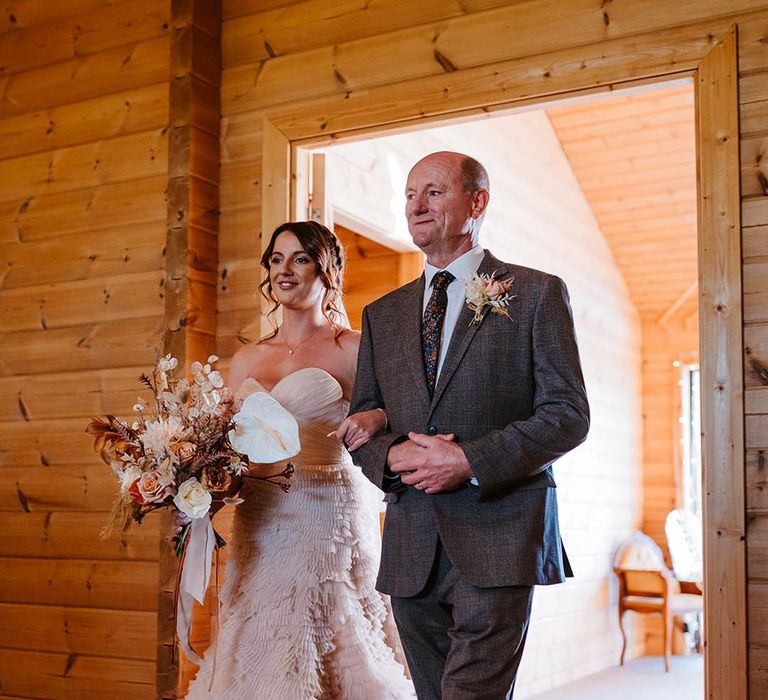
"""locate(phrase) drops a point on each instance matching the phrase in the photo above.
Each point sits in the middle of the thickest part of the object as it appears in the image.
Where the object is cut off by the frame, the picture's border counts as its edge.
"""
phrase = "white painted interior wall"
(539, 217)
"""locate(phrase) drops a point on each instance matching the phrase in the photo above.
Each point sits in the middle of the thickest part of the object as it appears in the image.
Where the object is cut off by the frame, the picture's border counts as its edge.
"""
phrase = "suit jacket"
(512, 392)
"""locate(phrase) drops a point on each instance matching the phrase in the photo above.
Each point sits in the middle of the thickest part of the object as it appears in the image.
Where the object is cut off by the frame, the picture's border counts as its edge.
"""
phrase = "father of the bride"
(476, 366)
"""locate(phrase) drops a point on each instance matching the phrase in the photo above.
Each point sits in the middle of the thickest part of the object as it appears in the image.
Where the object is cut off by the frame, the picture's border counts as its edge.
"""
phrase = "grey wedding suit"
(511, 391)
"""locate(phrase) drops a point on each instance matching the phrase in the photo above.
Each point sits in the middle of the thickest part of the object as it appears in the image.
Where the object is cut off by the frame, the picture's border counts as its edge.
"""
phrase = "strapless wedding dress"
(300, 615)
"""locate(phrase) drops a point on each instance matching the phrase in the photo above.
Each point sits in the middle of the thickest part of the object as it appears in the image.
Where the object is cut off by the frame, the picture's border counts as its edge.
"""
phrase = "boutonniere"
(485, 290)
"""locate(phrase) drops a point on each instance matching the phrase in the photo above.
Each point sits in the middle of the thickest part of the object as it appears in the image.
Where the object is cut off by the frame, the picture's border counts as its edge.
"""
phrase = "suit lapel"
(409, 343)
(465, 330)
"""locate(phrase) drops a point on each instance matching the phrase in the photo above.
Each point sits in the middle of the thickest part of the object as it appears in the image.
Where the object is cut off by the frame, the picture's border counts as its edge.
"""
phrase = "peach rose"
(154, 486)
(493, 289)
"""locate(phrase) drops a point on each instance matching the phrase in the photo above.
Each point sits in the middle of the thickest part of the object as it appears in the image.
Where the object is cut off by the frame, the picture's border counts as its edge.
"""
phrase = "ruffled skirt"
(300, 615)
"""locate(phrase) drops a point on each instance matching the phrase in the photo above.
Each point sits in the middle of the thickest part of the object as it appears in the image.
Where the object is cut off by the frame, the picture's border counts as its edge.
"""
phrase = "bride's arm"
(239, 368)
(357, 429)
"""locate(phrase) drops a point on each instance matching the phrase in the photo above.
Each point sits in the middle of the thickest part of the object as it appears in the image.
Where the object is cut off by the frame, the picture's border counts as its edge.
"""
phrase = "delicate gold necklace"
(292, 350)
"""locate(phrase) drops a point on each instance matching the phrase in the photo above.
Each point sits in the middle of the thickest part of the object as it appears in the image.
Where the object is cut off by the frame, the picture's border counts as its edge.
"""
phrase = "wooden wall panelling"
(753, 60)
(191, 252)
(120, 159)
(68, 535)
(109, 344)
(24, 14)
(128, 112)
(275, 190)
(69, 394)
(261, 35)
(45, 488)
(109, 253)
(78, 630)
(662, 345)
(81, 302)
(86, 583)
(78, 211)
(30, 674)
(240, 139)
(85, 78)
(240, 8)
(114, 24)
(83, 154)
(374, 272)
(455, 44)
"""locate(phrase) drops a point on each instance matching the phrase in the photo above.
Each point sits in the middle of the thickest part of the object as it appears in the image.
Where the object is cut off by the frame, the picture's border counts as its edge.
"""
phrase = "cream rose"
(192, 499)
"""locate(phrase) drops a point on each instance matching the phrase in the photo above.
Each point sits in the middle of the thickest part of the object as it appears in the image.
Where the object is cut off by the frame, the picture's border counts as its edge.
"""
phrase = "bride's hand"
(357, 429)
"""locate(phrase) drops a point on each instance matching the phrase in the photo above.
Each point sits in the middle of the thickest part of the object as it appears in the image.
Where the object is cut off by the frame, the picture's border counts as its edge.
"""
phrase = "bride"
(300, 616)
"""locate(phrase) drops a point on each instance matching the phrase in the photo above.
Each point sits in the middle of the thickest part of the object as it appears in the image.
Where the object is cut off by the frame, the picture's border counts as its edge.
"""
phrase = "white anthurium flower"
(264, 430)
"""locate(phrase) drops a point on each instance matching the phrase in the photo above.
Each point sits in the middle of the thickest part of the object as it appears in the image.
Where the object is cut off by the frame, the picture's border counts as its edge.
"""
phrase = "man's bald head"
(473, 175)
(446, 197)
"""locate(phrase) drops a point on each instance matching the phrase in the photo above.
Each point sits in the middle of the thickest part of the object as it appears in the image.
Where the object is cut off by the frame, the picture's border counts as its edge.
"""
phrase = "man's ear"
(479, 203)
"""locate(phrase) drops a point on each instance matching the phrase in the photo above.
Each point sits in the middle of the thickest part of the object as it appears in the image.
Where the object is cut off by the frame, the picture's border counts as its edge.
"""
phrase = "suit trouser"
(463, 642)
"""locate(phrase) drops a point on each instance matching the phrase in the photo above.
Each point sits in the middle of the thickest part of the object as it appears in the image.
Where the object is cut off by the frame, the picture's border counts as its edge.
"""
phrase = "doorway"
(553, 191)
(714, 74)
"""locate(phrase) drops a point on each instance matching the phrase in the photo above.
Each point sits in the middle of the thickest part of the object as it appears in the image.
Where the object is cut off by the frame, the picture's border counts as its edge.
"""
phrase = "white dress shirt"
(463, 268)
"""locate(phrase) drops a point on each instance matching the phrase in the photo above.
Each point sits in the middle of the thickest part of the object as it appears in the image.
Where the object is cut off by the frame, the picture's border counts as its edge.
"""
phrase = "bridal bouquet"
(184, 450)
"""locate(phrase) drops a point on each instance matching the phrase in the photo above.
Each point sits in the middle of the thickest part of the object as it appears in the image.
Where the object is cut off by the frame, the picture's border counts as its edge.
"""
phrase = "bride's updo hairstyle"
(325, 249)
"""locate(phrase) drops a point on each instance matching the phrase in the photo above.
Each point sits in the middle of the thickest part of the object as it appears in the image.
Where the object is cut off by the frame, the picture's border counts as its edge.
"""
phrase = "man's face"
(437, 207)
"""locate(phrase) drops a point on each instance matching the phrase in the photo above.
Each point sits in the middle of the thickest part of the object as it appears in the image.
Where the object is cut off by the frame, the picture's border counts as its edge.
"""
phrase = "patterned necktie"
(432, 325)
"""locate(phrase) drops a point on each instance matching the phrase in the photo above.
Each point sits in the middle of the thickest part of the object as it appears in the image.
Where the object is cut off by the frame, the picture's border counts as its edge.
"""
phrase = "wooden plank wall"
(372, 270)
(83, 171)
(753, 113)
(663, 344)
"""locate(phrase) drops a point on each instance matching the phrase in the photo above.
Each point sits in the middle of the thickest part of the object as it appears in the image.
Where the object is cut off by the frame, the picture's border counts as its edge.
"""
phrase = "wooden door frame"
(712, 62)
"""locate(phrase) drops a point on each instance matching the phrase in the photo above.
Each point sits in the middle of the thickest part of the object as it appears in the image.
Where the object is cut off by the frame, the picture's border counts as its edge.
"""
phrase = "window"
(690, 438)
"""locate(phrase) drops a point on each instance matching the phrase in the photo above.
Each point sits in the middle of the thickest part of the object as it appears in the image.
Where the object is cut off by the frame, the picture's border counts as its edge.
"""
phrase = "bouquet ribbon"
(194, 577)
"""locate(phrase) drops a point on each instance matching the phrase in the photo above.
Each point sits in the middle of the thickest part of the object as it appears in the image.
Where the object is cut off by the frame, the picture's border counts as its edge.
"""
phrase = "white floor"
(639, 679)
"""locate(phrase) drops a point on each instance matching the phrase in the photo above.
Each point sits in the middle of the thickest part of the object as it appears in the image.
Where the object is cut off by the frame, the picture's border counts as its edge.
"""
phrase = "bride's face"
(293, 274)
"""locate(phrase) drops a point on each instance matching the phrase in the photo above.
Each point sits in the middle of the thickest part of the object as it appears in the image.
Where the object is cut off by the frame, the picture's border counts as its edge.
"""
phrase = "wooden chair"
(649, 592)
(647, 586)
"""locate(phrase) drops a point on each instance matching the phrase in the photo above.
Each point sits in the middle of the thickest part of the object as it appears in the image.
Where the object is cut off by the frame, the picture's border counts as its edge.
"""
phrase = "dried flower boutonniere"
(485, 290)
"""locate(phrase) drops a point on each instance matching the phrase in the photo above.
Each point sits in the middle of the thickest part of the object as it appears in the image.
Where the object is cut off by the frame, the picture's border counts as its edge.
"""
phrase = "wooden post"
(722, 373)
(275, 189)
(191, 248)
